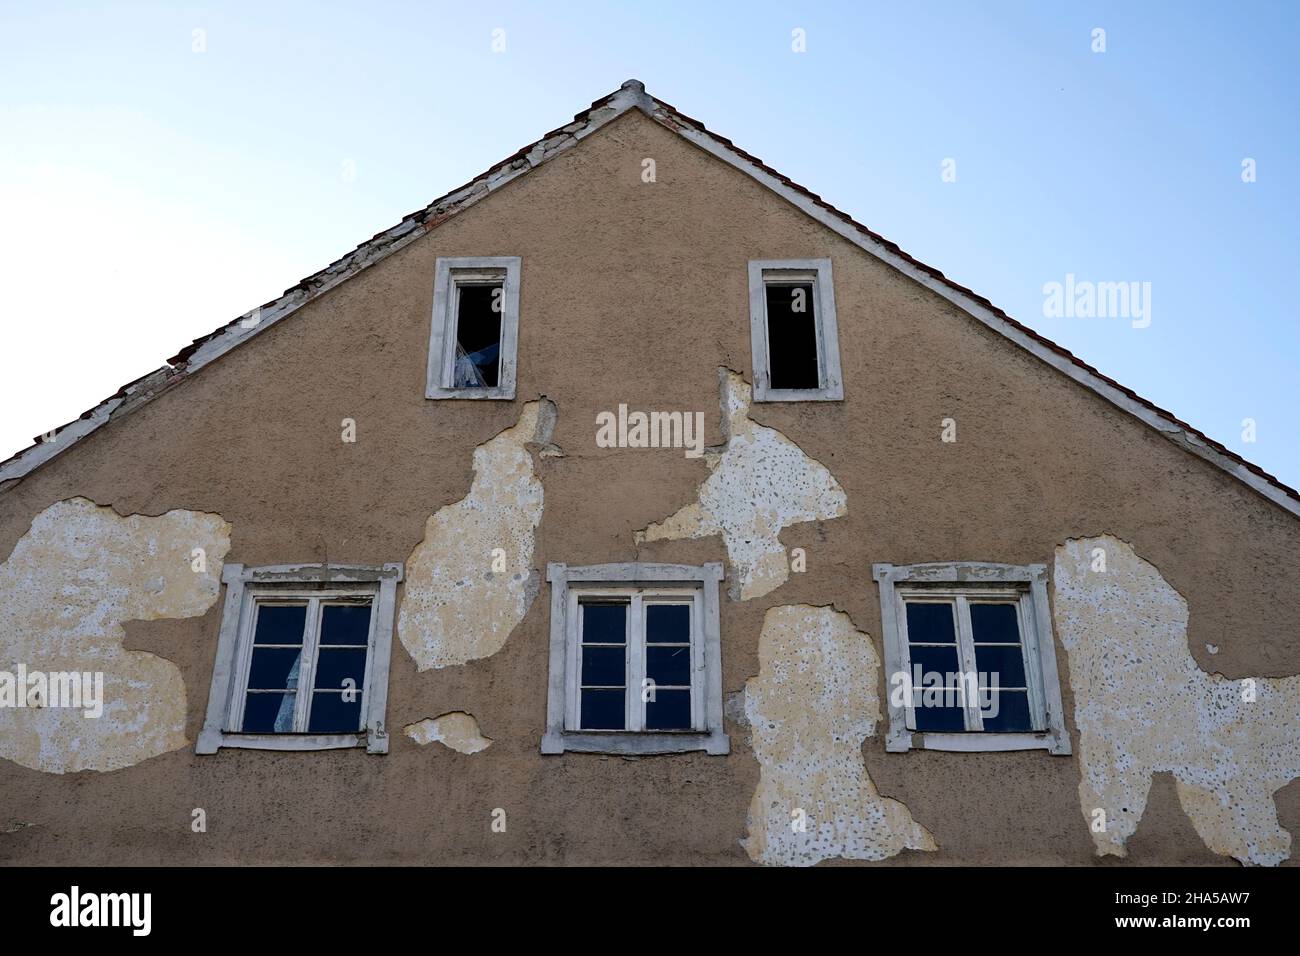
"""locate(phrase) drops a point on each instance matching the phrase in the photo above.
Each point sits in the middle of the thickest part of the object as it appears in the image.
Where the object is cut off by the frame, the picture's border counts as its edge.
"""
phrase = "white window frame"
(313, 584)
(639, 584)
(448, 274)
(818, 272)
(962, 583)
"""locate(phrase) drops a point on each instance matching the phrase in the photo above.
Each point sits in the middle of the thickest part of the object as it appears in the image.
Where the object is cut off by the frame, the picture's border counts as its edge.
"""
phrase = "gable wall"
(633, 293)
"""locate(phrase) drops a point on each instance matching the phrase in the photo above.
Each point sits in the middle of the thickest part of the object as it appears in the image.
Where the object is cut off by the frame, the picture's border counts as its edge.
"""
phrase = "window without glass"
(793, 330)
(970, 658)
(302, 661)
(635, 659)
(473, 339)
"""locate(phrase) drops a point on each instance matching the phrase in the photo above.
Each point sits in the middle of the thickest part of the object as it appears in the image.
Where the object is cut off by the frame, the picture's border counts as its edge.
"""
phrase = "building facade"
(630, 504)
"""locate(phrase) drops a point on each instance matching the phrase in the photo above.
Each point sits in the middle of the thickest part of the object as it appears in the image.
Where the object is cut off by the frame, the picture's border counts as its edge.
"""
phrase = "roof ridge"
(632, 94)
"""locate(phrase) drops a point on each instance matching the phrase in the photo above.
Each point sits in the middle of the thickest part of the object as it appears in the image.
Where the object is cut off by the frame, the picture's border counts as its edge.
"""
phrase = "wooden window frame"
(818, 272)
(639, 584)
(449, 274)
(249, 588)
(963, 583)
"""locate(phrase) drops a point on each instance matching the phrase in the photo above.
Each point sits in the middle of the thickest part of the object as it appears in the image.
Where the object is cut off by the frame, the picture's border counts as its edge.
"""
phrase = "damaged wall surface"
(631, 293)
(457, 731)
(814, 701)
(471, 580)
(65, 591)
(760, 483)
(1143, 705)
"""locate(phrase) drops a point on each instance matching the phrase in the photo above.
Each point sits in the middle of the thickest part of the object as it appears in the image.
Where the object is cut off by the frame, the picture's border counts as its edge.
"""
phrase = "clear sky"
(156, 182)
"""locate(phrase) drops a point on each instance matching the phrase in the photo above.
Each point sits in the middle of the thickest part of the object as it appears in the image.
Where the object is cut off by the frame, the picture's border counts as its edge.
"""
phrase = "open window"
(793, 332)
(635, 659)
(970, 660)
(474, 334)
(302, 659)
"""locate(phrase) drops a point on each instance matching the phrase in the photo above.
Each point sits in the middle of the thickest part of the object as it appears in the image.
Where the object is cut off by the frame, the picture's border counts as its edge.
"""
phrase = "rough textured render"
(457, 608)
(457, 730)
(760, 483)
(72, 579)
(813, 703)
(1144, 706)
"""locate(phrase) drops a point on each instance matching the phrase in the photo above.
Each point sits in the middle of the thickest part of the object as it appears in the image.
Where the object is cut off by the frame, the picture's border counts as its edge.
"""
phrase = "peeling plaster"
(457, 730)
(455, 607)
(1144, 706)
(813, 703)
(761, 482)
(78, 573)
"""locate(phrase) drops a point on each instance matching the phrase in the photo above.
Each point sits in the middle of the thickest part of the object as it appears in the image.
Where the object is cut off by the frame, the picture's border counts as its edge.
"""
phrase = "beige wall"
(635, 293)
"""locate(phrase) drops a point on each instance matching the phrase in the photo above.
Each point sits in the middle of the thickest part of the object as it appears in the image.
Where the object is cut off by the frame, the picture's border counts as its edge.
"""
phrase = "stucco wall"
(635, 293)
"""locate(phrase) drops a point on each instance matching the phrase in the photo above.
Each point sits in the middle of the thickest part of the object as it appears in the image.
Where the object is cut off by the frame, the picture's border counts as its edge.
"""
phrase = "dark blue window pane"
(335, 665)
(930, 623)
(670, 710)
(1008, 663)
(941, 659)
(994, 623)
(668, 665)
(268, 713)
(667, 623)
(1012, 711)
(345, 624)
(334, 713)
(280, 623)
(604, 623)
(602, 710)
(604, 666)
(274, 668)
(940, 716)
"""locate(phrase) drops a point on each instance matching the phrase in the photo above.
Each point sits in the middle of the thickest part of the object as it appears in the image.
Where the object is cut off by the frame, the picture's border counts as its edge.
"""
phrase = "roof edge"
(632, 95)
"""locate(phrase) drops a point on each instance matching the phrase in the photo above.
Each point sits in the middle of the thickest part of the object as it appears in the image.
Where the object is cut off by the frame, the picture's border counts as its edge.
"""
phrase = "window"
(970, 659)
(472, 342)
(793, 333)
(635, 659)
(302, 658)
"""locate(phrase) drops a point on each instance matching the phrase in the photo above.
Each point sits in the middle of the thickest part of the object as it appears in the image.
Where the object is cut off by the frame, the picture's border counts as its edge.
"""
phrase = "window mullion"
(635, 663)
(307, 667)
(906, 662)
(966, 644)
(699, 677)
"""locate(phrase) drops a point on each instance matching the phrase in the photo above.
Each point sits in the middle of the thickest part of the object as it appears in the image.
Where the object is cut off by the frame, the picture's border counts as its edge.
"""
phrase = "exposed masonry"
(814, 701)
(1144, 706)
(632, 95)
(456, 607)
(761, 482)
(457, 730)
(72, 579)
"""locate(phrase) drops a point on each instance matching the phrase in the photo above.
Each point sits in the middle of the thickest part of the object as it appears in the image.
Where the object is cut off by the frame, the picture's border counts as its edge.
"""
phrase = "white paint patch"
(457, 730)
(72, 579)
(813, 703)
(761, 482)
(471, 580)
(1143, 706)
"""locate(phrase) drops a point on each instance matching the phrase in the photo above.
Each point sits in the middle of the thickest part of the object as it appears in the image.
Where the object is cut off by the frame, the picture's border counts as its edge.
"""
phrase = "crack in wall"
(1143, 705)
(78, 573)
(814, 701)
(470, 582)
(760, 483)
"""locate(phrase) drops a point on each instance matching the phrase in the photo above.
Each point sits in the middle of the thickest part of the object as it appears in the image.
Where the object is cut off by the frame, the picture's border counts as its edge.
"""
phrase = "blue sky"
(150, 191)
